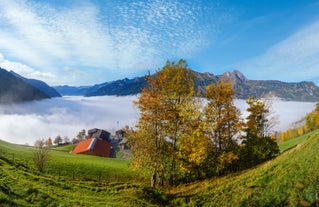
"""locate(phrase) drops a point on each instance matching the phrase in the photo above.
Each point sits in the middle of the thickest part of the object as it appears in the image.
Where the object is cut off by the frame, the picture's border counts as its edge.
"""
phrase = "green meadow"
(66, 165)
(291, 179)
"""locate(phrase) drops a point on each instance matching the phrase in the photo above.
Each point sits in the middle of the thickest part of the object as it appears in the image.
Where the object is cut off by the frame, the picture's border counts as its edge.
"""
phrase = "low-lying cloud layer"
(27, 122)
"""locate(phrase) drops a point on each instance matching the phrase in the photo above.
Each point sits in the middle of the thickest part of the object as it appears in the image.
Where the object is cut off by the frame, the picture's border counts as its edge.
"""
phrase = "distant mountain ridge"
(14, 89)
(302, 91)
(42, 86)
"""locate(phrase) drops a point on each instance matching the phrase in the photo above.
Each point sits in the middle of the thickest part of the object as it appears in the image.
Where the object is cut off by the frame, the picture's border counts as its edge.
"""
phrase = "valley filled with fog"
(26, 122)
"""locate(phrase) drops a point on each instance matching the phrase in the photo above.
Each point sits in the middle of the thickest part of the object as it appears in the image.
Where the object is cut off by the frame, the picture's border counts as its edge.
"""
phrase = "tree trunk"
(153, 179)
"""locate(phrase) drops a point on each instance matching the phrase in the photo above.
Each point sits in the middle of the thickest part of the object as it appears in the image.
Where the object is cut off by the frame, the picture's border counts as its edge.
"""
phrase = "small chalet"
(98, 143)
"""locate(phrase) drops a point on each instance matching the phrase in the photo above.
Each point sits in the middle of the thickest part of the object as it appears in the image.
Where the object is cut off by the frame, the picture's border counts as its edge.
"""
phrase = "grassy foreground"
(291, 179)
(76, 167)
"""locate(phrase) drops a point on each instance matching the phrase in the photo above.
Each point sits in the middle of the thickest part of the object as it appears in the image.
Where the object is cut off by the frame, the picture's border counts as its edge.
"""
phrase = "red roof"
(93, 146)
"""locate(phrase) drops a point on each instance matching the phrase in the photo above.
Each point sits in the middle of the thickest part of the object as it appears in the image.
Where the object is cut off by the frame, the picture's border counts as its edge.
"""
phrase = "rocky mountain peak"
(234, 76)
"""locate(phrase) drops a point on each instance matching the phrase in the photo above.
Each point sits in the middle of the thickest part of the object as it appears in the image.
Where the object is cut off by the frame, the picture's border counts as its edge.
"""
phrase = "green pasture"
(66, 165)
(283, 146)
(291, 179)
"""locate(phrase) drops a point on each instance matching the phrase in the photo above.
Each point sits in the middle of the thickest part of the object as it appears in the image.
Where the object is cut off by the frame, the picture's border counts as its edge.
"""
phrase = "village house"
(98, 143)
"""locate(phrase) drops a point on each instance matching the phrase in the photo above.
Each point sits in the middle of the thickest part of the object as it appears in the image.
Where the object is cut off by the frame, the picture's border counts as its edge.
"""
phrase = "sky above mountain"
(86, 42)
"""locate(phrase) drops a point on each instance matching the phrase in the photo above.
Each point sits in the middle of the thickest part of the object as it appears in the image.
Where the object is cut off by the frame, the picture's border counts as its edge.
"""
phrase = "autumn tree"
(148, 141)
(166, 108)
(223, 123)
(194, 145)
(312, 119)
(49, 142)
(257, 120)
(177, 92)
(258, 146)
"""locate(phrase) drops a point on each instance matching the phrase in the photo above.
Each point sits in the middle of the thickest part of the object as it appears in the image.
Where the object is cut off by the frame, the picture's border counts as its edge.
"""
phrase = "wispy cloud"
(126, 36)
(294, 58)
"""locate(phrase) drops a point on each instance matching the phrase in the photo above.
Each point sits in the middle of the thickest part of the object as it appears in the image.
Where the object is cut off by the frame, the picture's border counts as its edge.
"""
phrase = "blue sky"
(86, 42)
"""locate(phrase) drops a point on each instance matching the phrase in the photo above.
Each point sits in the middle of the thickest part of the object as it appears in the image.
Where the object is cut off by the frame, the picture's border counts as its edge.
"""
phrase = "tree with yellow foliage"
(300, 131)
(168, 113)
(223, 123)
(312, 119)
(258, 146)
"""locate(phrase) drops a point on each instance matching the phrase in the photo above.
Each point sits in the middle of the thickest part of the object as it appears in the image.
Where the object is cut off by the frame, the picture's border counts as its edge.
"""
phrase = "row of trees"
(180, 138)
(58, 140)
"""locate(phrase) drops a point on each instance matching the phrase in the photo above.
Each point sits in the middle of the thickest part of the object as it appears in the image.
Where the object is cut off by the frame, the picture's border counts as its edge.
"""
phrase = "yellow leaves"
(301, 131)
(257, 121)
(225, 159)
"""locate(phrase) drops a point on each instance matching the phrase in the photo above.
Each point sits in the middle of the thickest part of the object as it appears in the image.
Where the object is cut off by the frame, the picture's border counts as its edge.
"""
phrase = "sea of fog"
(26, 122)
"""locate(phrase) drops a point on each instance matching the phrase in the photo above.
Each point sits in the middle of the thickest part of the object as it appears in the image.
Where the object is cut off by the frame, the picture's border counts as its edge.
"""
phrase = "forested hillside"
(14, 89)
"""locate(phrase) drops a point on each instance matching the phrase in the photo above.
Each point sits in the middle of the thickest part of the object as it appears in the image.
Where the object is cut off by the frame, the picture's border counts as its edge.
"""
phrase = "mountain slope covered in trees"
(302, 91)
(14, 89)
(42, 86)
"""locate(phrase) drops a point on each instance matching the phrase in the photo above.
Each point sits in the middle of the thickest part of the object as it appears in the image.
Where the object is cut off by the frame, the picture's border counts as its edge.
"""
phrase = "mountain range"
(301, 91)
(15, 88)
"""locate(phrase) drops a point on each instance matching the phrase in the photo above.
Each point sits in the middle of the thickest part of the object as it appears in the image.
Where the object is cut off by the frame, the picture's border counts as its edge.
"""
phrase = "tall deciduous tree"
(223, 122)
(177, 92)
(258, 146)
(257, 120)
(148, 141)
(167, 111)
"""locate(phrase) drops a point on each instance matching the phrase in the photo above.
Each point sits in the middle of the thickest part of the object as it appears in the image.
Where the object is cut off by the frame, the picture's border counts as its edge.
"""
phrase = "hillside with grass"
(291, 179)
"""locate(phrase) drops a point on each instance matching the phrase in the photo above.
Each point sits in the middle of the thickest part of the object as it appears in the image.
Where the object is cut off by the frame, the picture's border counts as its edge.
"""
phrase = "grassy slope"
(20, 187)
(69, 165)
(283, 146)
(291, 179)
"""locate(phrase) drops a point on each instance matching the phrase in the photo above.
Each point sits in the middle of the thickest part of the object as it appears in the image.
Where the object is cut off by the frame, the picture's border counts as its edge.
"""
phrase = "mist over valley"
(24, 123)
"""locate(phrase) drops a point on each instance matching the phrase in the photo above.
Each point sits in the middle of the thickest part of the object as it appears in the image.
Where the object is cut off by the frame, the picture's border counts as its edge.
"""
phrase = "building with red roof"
(93, 146)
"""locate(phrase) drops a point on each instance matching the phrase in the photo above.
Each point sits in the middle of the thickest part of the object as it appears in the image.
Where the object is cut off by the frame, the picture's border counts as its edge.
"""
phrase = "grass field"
(79, 167)
(283, 146)
(291, 179)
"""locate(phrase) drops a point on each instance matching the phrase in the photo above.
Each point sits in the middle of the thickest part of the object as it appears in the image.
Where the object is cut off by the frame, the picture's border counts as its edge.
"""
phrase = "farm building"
(99, 144)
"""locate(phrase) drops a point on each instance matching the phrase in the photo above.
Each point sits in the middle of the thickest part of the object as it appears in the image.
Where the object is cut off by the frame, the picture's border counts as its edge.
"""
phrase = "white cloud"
(24, 123)
(127, 37)
(24, 70)
(295, 58)
(286, 112)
